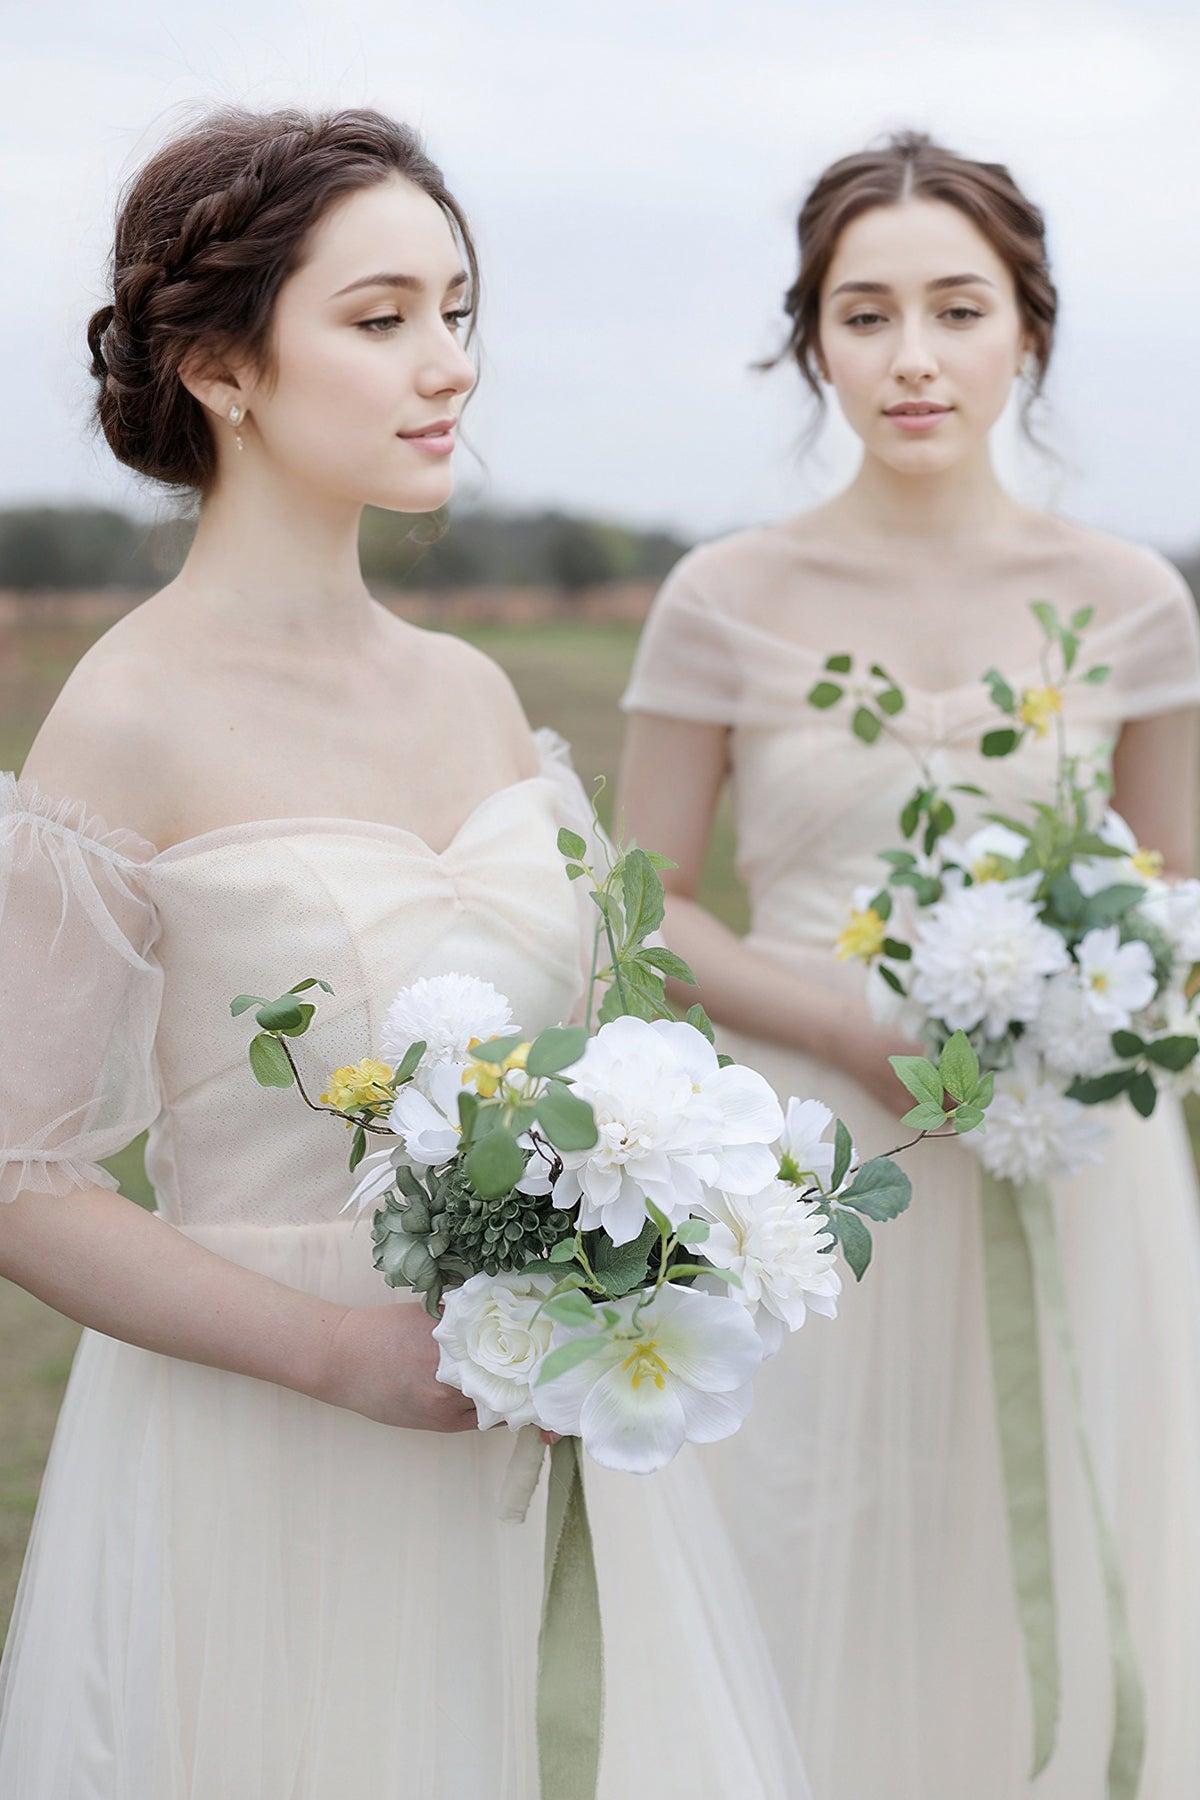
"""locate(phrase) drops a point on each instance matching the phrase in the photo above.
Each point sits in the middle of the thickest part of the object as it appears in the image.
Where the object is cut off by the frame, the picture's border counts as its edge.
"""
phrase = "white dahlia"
(981, 957)
(1071, 1039)
(779, 1247)
(1032, 1132)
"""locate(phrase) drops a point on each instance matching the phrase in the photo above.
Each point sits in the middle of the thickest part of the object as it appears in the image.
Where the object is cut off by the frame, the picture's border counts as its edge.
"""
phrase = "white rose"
(492, 1345)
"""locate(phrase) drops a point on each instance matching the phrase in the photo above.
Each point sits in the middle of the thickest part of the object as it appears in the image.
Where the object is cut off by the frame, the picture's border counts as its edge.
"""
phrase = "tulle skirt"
(233, 1592)
(865, 1492)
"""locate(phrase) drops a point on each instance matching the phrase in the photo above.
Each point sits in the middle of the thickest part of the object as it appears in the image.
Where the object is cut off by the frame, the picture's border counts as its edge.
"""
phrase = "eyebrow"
(411, 283)
(942, 282)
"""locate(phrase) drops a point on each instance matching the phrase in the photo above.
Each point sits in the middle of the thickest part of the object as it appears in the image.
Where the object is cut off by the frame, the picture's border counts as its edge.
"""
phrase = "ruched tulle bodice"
(370, 908)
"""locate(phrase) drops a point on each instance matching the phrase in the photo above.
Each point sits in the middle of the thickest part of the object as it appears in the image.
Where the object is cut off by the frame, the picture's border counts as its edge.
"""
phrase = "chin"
(920, 457)
(423, 495)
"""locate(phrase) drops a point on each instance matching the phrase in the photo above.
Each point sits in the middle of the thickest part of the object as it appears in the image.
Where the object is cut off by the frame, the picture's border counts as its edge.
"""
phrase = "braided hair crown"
(207, 232)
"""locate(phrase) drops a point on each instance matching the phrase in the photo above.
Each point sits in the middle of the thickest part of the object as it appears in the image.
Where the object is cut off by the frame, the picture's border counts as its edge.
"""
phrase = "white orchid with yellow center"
(1136, 864)
(676, 1370)
(1117, 979)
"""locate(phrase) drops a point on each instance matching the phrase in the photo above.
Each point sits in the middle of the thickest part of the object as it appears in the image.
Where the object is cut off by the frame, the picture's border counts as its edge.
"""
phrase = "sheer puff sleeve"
(688, 662)
(79, 993)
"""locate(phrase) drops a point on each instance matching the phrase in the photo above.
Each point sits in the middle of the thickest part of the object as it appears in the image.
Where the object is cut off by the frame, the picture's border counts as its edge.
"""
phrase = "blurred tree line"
(98, 547)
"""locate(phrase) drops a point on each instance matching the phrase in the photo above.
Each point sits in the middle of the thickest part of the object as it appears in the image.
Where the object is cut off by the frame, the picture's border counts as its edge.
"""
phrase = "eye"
(962, 314)
(382, 326)
(455, 319)
(864, 318)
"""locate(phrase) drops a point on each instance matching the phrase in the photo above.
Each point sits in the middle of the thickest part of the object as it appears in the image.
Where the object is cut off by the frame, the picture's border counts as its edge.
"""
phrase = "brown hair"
(911, 166)
(207, 232)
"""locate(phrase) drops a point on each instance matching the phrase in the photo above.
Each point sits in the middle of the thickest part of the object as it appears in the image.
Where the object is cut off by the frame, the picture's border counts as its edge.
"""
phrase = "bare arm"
(1157, 785)
(671, 779)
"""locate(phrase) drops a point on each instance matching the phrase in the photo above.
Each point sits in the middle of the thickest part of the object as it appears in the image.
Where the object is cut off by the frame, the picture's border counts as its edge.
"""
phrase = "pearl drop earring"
(236, 415)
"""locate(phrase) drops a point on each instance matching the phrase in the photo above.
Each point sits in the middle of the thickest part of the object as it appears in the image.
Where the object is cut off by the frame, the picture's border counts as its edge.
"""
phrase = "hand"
(381, 1361)
(867, 1048)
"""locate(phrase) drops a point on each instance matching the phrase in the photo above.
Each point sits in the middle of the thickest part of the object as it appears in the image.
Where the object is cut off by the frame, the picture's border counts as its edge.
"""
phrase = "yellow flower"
(988, 868)
(1038, 707)
(1148, 863)
(360, 1084)
(487, 1076)
(863, 936)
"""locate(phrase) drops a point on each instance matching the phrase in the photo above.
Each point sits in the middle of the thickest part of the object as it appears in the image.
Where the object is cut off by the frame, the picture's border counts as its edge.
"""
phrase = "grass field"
(568, 675)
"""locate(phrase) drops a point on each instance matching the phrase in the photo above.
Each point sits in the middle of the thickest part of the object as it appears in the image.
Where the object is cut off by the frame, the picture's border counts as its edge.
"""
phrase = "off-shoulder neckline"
(122, 845)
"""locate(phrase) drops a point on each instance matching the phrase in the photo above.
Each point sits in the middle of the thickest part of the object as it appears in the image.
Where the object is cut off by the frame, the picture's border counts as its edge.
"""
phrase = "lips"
(914, 409)
(439, 428)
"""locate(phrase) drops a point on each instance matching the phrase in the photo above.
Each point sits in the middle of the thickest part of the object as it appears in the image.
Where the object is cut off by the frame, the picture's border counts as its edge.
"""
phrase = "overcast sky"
(632, 170)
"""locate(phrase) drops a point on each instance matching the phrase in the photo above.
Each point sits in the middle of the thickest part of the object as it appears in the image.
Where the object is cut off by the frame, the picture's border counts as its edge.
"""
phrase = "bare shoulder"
(473, 693)
(107, 739)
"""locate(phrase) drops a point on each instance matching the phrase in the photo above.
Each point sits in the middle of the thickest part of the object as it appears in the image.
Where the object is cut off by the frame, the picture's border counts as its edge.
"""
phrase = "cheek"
(338, 383)
(983, 365)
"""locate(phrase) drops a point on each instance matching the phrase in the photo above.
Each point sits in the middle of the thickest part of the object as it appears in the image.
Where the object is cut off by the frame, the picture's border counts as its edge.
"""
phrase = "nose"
(449, 371)
(914, 361)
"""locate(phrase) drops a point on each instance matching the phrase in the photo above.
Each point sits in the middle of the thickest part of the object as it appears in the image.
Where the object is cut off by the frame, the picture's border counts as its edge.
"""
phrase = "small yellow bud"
(1148, 863)
(1039, 706)
(363, 1083)
(988, 868)
(863, 936)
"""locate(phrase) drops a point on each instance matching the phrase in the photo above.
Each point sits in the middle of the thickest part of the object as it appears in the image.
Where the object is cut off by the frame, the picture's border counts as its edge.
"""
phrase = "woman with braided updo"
(267, 1561)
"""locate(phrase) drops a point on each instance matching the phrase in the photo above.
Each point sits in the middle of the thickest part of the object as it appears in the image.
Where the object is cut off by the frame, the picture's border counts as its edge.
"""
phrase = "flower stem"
(367, 1125)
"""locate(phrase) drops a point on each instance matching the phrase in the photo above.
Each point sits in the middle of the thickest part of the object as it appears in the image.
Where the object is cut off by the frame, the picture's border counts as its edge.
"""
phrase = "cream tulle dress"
(233, 1592)
(865, 1489)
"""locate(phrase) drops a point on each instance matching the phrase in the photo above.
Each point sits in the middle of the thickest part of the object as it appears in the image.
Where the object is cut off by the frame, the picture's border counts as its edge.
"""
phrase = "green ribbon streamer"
(1022, 1264)
(570, 1696)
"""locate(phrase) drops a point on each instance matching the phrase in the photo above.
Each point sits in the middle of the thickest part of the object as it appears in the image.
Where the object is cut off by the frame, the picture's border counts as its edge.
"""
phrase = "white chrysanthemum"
(1175, 908)
(1135, 865)
(682, 1375)
(670, 1122)
(492, 1345)
(444, 1012)
(1032, 1132)
(427, 1123)
(981, 957)
(779, 1246)
(1117, 979)
(1067, 1032)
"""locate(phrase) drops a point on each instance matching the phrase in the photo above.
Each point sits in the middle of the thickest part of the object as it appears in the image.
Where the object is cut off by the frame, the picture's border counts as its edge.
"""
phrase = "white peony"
(492, 1345)
(1175, 908)
(1032, 1132)
(1070, 1037)
(1117, 979)
(444, 1012)
(427, 1122)
(1134, 866)
(670, 1122)
(981, 957)
(779, 1246)
(683, 1374)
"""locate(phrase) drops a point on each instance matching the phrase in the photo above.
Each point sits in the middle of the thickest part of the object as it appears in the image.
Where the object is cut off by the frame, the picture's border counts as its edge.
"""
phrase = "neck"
(271, 562)
(960, 502)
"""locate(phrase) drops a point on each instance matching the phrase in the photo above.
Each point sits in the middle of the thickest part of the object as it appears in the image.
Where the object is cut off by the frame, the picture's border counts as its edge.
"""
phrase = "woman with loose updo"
(868, 1490)
(268, 1559)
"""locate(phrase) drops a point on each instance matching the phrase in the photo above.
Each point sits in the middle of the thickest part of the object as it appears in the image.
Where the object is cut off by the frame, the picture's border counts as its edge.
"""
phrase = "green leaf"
(244, 1002)
(1143, 1093)
(882, 903)
(658, 1217)
(840, 664)
(899, 859)
(911, 813)
(407, 1066)
(968, 1118)
(880, 1189)
(1097, 674)
(1000, 743)
(897, 949)
(825, 694)
(494, 1164)
(571, 844)
(686, 1271)
(1066, 899)
(1173, 1053)
(563, 1251)
(468, 1112)
(891, 701)
(697, 1017)
(1001, 693)
(855, 1240)
(892, 979)
(574, 871)
(283, 1015)
(967, 787)
(622, 1267)
(668, 963)
(555, 1049)
(924, 1117)
(843, 1150)
(1047, 617)
(1111, 904)
(982, 1097)
(269, 1062)
(1095, 1089)
(1128, 1043)
(567, 1121)
(693, 1231)
(496, 1049)
(358, 1147)
(569, 1356)
(1070, 650)
(571, 1308)
(958, 1068)
(1083, 618)
(311, 981)
(920, 1077)
(866, 724)
(941, 817)
(643, 895)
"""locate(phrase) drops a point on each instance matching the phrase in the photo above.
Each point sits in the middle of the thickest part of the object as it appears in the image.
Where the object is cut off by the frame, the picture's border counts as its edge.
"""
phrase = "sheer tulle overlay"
(865, 1491)
(233, 1590)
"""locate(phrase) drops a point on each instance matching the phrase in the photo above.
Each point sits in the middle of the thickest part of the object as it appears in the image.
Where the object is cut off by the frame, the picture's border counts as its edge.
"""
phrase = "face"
(370, 373)
(920, 333)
